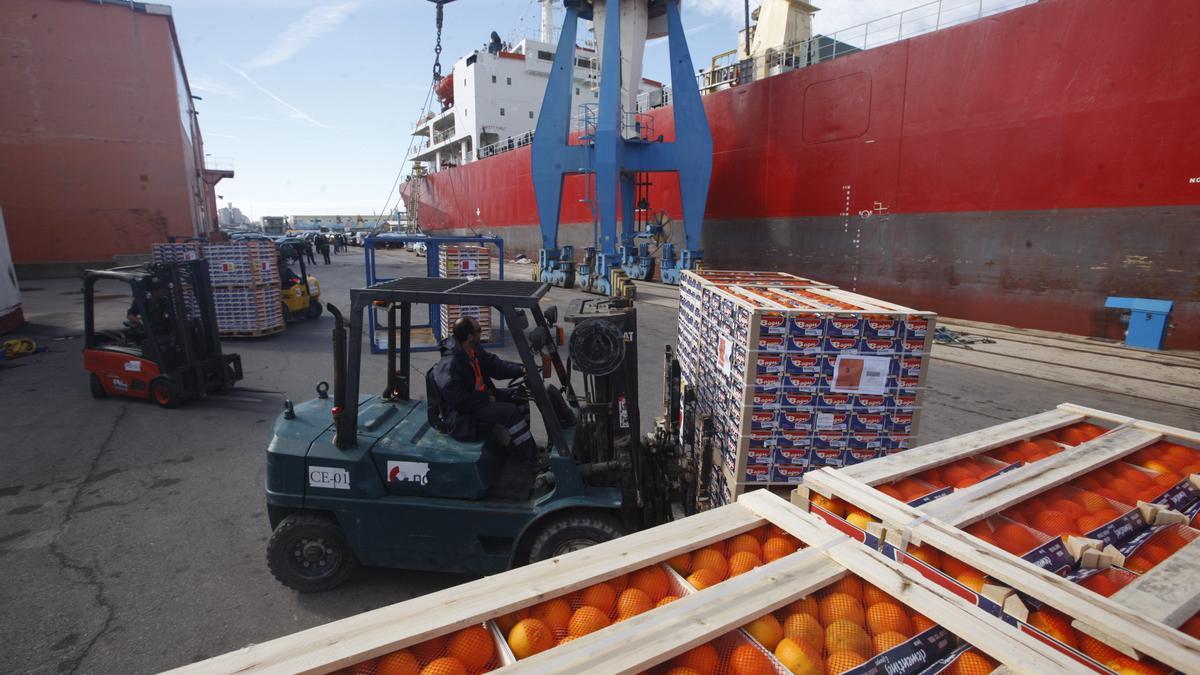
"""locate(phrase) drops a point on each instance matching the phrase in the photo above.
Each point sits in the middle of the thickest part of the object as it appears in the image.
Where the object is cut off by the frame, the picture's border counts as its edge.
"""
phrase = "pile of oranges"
(1158, 548)
(737, 555)
(1107, 582)
(1065, 510)
(470, 650)
(843, 626)
(838, 507)
(1081, 432)
(1027, 452)
(1058, 626)
(1013, 537)
(1126, 483)
(1170, 459)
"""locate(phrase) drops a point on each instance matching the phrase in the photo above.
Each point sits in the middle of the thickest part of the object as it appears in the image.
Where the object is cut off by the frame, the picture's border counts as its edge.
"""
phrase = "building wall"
(99, 153)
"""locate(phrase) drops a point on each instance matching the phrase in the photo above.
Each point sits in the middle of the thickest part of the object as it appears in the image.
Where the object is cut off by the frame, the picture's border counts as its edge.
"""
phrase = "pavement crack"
(88, 573)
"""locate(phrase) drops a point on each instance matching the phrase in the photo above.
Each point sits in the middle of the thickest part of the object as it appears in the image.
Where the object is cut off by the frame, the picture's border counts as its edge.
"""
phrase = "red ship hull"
(1017, 169)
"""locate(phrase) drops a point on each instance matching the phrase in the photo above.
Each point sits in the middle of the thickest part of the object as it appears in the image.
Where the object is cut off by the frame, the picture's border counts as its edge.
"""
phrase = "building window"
(502, 112)
(545, 56)
(576, 91)
(530, 114)
(509, 81)
(493, 79)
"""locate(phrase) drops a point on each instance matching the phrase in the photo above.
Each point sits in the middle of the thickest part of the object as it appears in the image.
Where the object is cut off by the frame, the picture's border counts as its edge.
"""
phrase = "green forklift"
(370, 479)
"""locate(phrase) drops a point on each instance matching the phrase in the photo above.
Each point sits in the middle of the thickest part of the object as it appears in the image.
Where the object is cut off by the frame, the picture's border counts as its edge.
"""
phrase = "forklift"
(169, 350)
(299, 295)
(371, 479)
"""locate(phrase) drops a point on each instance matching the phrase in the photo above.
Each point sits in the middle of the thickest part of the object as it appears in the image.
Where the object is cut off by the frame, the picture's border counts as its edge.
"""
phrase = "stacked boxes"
(797, 375)
(245, 279)
(466, 262)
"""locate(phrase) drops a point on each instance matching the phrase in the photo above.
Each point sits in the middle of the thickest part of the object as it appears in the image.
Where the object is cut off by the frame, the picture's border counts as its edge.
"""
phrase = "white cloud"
(293, 111)
(211, 85)
(315, 23)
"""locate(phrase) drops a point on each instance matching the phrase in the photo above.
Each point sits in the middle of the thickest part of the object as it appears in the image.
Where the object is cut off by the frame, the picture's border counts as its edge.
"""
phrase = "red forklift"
(169, 350)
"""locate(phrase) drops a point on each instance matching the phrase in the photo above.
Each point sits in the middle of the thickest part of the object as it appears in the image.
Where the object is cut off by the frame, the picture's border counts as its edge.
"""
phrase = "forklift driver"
(159, 309)
(471, 403)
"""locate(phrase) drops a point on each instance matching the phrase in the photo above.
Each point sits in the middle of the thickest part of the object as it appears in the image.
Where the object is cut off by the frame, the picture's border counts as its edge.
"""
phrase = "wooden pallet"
(1137, 620)
(263, 332)
(651, 638)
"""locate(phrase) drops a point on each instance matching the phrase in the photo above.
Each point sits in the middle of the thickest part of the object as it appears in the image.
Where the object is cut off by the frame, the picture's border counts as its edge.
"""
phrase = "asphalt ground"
(132, 538)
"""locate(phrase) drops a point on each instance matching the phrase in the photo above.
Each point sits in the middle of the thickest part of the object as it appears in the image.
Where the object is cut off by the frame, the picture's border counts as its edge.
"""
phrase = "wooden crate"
(651, 638)
(1138, 620)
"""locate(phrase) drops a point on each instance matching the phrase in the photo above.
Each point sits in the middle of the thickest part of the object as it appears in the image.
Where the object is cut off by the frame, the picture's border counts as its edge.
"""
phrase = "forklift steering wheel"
(519, 389)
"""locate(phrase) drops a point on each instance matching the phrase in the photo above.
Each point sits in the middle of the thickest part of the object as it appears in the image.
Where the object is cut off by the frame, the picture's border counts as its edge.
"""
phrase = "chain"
(437, 47)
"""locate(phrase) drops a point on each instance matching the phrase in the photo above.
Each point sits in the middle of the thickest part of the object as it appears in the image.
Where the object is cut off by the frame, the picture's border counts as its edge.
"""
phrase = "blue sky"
(312, 101)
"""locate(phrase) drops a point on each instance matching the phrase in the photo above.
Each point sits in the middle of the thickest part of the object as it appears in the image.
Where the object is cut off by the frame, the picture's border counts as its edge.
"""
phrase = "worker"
(158, 316)
(308, 252)
(471, 403)
(323, 247)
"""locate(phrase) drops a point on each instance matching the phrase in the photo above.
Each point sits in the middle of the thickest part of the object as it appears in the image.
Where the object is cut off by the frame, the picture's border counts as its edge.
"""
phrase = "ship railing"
(504, 145)
(637, 125)
(923, 19)
(441, 136)
(218, 163)
(655, 98)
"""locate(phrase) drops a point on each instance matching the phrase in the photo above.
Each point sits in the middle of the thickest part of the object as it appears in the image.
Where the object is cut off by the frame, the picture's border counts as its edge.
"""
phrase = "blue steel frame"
(433, 252)
(615, 158)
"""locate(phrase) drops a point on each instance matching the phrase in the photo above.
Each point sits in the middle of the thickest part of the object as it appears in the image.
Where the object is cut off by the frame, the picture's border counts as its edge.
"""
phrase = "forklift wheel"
(309, 553)
(97, 387)
(314, 308)
(164, 392)
(573, 532)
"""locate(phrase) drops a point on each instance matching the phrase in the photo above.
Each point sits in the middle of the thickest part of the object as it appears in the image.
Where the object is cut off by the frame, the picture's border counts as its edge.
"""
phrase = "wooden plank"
(968, 505)
(901, 464)
(654, 637)
(1186, 435)
(1152, 391)
(1142, 633)
(997, 639)
(354, 639)
(1170, 591)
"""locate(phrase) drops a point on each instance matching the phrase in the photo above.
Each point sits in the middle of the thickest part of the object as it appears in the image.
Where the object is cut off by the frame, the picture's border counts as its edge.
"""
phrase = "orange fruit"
(1153, 553)
(507, 621)
(804, 628)
(554, 613)
(652, 581)
(586, 619)
(1072, 437)
(601, 596)
(1192, 626)
(806, 605)
(708, 559)
(429, 649)
(1101, 584)
(954, 567)
(921, 623)
(400, 662)
(871, 594)
(850, 585)
(972, 580)
(668, 599)
(858, 518)
(1123, 665)
(912, 489)
(1055, 624)
(364, 667)
(928, 554)
(1068, 507)
(1055, 523)
(1088, 523)
(1092, 502)
(748, 660)
(530, 637)
(1138, 564)
(681, 563)
(742, 562)
(1097, 649)
(891, 492)
(703, 659)
(619, 583)
(566, 640)
(766, 629)
(972, 662)
(682, 671)
(843, 635)
(703, 578)
(954, 474)
(885, 617)
(800, 657)
(886, 640)
(744, 542)
(1015, 539)
(473, 646)
(835, 506)
(776, 548)
(837, 606)
(840, 662)
(631, 602)
(447, 665)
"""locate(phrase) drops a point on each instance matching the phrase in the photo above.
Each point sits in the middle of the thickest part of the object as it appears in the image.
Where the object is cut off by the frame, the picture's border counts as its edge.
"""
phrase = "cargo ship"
(1017, 166)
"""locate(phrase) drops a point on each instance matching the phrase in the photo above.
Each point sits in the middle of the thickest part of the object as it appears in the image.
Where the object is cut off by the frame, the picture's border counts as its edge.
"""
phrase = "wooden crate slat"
(348, 641)
(895, 514)
(968, 505)
(1164, 429)
(1170, 591)
(692, 620)
(1142, 633)
(916, 460)
(999, 640)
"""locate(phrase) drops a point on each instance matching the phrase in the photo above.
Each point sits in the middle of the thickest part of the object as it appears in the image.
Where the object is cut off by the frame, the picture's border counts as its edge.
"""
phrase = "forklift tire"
(314, 308)
(573, 532)
(164, 392)
(97, 387)
(309, 553)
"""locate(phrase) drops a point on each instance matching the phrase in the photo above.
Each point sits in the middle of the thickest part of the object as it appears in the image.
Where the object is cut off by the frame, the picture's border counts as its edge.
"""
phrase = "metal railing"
(504, 145)
(441, 136)
(218, 163)
(920, 20)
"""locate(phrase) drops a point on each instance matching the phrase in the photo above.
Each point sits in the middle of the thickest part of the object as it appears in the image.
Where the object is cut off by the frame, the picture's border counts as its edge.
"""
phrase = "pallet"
(253, 333)
(1137, 620)
(648, 639)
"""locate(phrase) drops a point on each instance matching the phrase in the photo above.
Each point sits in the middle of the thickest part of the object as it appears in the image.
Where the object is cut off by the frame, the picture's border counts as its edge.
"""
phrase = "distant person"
(323, 247)
(339, 243)
(308, 252)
